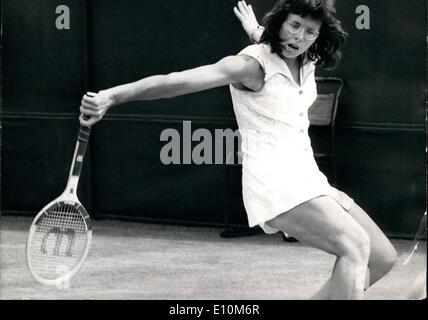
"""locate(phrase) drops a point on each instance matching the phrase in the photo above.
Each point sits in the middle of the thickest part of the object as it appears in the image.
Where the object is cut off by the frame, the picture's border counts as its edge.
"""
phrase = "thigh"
(321, 223)
(380, 246)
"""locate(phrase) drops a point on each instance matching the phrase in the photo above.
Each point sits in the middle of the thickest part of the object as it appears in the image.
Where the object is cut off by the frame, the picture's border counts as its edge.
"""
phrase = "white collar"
(278, 65)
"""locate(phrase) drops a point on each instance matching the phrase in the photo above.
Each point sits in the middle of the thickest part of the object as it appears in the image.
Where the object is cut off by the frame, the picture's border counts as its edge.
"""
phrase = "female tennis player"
(272, 85)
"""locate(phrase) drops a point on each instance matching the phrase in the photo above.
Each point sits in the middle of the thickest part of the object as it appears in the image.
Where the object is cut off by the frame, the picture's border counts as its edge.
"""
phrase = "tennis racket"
(60, 235)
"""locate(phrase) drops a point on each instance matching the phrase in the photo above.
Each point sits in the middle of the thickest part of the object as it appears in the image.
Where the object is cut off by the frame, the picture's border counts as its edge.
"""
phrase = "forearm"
(150, 88)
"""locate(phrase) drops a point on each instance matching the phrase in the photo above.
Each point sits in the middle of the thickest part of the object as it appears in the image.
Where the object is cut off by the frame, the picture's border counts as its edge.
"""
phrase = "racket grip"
(84, 133)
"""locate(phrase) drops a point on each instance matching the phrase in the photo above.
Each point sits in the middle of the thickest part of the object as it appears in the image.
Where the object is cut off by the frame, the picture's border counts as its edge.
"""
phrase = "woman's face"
(297, 34)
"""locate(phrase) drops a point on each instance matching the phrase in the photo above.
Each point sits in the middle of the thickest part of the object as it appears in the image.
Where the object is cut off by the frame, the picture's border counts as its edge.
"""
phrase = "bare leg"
(323, 224)
(382, 254)
(323, 292)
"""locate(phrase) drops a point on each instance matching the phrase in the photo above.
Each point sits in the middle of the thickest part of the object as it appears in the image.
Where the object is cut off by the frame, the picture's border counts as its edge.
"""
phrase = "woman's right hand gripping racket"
(60, 235)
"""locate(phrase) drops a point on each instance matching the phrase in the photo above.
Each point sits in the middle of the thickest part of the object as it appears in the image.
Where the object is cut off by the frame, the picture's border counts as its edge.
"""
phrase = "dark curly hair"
(326, 50)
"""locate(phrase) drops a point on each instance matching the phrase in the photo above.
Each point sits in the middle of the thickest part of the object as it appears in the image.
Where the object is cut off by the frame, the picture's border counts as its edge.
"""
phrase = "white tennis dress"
(279, 171)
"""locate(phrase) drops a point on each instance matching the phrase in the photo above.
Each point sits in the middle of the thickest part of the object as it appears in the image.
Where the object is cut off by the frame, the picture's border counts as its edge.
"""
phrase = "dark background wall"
(381, 121)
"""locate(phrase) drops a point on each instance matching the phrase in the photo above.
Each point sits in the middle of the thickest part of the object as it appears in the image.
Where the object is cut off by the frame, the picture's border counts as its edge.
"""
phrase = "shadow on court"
(139, 261)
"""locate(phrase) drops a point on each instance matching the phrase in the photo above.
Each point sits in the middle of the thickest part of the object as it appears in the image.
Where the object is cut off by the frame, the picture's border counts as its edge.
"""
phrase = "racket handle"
(84, 133)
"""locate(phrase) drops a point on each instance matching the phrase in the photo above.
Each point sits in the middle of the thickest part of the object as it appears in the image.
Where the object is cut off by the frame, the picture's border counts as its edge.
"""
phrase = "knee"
(356, 247)
(389, 258)
(392, 257)
(380, 264)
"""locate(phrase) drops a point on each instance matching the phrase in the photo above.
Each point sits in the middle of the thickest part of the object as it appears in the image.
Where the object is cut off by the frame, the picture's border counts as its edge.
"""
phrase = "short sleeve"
(255, 51)
(270, 62)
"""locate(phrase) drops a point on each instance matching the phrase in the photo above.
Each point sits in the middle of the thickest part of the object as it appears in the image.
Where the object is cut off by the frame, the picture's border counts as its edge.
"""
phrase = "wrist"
(256, 33)
(113, 97)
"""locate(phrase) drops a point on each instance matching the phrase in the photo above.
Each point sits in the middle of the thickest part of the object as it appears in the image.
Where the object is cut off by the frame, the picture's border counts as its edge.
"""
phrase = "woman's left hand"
(246, 15)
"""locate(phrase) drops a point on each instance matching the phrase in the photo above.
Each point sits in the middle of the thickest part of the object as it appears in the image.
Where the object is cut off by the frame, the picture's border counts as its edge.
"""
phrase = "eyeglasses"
(295, 28)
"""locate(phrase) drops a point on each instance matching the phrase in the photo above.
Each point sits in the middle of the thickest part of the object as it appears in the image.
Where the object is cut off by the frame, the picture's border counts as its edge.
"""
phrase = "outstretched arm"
(232, 69)
(248, 19)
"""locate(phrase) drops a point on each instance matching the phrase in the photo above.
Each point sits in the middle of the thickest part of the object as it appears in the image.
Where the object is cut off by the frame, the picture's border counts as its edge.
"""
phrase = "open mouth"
(293, 46)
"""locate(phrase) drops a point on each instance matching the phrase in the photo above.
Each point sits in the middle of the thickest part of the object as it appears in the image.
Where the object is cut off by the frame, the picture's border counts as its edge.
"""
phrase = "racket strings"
(59, 241)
